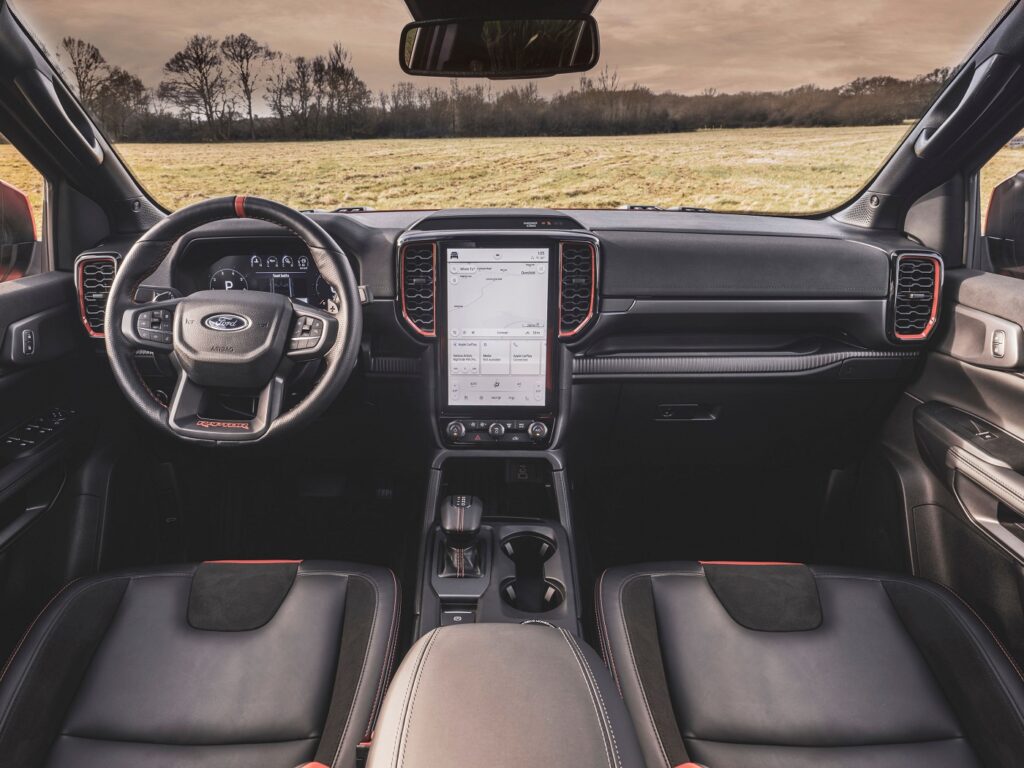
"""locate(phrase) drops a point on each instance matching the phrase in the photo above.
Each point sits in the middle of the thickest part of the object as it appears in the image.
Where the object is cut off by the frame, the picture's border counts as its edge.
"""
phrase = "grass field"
(760, 169)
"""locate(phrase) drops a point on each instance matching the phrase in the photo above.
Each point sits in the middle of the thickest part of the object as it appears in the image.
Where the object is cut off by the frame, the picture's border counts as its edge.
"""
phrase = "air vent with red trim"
(419, 287)
(916, 295)
(94, 275)
(577, 286)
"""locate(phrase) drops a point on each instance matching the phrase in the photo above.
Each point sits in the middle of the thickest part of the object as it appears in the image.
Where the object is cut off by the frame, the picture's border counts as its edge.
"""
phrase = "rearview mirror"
(499, 48)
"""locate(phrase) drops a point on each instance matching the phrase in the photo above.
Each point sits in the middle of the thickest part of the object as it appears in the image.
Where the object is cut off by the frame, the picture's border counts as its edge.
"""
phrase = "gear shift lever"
(460, 521)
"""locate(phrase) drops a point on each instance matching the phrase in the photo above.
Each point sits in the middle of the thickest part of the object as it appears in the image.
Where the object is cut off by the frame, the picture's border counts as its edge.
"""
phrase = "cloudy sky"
(678, 45)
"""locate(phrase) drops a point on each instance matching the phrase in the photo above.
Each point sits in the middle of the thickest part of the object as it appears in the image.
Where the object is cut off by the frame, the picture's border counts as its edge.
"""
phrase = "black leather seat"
(228, 664)
(736, 666)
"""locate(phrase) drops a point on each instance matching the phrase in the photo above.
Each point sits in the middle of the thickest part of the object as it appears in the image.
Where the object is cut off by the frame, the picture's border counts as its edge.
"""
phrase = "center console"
(497, 545)
(497, 302)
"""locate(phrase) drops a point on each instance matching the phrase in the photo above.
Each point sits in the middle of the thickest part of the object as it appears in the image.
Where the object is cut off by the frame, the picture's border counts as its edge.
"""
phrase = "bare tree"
(195, 82)
(301, 81)
(321, 92)
(88, 67)
(349, 95)
(246, 59)
(121, 101)
(279, 93)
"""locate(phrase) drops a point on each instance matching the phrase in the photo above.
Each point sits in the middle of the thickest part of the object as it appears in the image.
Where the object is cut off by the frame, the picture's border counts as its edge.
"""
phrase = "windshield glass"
(778, 107)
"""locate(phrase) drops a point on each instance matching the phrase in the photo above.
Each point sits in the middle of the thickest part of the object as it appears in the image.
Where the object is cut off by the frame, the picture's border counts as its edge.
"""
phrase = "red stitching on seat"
(981, 621)
(24, 637)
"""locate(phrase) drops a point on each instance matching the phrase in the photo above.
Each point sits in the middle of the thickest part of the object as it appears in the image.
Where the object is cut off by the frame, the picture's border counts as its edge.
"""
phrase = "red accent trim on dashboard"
(433, 277)
(80, 289)
(593, 290)
(240, 206)
(936, 298)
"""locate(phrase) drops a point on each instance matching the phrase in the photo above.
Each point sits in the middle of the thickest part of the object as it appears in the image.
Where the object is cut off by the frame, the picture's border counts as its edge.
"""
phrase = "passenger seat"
(785, 666)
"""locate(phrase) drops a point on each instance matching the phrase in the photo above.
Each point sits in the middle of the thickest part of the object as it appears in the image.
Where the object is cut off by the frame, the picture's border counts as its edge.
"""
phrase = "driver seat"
(233, 664)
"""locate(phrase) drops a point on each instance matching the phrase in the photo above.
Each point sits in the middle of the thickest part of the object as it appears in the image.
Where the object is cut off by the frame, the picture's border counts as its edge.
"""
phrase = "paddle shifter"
(460, 521)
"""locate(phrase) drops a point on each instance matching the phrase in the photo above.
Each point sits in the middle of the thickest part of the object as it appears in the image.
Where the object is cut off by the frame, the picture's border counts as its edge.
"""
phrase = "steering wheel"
(244, 342)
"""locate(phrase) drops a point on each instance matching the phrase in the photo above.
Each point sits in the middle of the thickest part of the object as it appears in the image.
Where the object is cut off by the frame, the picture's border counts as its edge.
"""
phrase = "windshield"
(777, 107)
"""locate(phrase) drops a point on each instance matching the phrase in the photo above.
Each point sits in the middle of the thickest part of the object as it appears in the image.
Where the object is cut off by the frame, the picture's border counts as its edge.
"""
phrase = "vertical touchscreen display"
(497, 326)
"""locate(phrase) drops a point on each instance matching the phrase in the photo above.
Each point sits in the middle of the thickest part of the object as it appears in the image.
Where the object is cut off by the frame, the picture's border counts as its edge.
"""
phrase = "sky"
(685, 46)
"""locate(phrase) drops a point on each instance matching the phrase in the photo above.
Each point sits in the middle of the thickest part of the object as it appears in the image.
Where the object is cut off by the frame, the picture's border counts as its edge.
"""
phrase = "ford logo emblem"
(225, 321)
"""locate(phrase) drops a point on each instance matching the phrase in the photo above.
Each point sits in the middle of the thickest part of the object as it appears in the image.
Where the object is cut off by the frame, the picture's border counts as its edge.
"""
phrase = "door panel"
(44, 394)
(982, 465)
(957, 442)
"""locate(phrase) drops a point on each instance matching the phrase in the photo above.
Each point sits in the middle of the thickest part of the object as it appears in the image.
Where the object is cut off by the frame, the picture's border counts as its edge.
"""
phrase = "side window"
(21, 214)
(1001, 187)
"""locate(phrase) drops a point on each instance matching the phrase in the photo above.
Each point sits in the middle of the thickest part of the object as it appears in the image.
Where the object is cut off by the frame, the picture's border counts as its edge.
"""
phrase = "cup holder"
(528, 549)
(529, 590)
(532, 595)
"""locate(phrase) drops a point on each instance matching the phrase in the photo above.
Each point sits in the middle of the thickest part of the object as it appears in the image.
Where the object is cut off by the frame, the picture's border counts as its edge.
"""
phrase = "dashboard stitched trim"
(648, 365)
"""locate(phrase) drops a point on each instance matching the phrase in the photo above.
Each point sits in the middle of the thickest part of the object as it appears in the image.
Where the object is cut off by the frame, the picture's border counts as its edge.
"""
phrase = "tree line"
(237, 88)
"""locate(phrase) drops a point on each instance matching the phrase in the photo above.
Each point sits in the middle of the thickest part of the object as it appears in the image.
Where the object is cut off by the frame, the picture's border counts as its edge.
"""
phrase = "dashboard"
(653, 333)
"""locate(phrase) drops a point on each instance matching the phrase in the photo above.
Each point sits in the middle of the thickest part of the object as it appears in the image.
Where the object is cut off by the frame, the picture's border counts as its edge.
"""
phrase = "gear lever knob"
(460, 519)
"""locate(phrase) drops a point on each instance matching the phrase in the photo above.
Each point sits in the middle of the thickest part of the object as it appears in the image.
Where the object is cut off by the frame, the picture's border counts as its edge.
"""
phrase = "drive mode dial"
(538, 430)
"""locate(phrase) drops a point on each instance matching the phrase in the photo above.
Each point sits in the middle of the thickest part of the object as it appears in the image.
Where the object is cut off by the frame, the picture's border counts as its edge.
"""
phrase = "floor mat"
(698, 513)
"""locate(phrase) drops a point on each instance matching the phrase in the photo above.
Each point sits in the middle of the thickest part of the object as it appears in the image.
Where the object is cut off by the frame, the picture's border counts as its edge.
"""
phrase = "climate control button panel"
(504, 433)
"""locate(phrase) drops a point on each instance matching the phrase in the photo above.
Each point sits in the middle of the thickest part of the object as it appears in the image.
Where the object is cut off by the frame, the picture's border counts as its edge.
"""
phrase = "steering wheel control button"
(306, 333)
(155, 325)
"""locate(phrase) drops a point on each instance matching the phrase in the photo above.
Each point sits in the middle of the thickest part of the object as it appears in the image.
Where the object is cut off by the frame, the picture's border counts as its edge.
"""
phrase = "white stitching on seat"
(593, 699)
(410, 703)
(600, 697)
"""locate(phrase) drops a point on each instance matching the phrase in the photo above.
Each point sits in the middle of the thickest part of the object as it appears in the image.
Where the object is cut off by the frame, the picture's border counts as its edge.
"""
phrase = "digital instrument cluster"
(290, 274)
